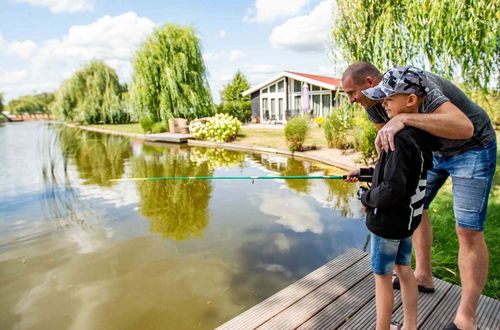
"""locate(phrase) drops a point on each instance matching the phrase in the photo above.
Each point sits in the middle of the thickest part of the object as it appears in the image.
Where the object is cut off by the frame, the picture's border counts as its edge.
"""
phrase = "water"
(80, 252)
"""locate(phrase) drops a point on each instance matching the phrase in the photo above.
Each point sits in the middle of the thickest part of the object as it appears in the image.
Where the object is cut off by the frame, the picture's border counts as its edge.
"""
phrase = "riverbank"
(445, 245)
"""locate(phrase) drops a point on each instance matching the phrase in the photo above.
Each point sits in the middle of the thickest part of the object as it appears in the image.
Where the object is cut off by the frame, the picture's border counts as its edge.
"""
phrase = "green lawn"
(275, 138)
(126, 128)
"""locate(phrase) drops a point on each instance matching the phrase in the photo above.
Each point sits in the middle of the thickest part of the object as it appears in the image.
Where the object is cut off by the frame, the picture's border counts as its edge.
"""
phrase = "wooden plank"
(341, 310)
(270, 307)
(427, 302)
(444, 312)
(307, 307)
(488, 314)
(365, 318)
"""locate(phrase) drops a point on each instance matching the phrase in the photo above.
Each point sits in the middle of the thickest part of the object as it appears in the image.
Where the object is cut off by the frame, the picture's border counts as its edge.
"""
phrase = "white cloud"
(306, 33)
(267, 11)
(221, 34)
(24, 49)
(13, 77)
(62, 6)
(48, 63)
(260, 69)
(223, 55)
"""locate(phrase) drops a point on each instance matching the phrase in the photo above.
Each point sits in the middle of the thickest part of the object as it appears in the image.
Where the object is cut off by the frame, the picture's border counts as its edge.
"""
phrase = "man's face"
(353, 91)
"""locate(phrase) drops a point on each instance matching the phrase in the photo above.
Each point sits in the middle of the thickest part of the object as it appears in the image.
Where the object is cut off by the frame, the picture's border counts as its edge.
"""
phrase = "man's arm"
(447, 121)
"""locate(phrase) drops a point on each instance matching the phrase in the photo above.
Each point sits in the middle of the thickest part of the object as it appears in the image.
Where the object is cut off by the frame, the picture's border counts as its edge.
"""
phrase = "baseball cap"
(403, 79)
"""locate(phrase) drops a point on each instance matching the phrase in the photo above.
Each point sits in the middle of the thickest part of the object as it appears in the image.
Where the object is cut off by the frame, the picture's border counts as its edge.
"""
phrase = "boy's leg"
(383, 255)
(384, 300)
(408, 283)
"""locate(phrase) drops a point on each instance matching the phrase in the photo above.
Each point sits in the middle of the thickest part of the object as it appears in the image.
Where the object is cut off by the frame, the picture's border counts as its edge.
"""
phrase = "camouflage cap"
(404, 79)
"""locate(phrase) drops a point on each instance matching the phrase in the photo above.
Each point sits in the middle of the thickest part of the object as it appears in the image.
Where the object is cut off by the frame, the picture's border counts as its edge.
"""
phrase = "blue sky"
(42, 42)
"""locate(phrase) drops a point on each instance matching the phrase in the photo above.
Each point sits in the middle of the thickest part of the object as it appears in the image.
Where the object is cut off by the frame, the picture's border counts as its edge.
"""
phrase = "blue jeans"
(472, 175)
(388, 252)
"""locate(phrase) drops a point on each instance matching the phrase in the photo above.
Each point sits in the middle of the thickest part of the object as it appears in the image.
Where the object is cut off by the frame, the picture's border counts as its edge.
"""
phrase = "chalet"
(281, 97)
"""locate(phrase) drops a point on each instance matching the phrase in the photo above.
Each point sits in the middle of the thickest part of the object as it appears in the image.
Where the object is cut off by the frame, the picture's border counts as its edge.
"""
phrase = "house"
(279, 98)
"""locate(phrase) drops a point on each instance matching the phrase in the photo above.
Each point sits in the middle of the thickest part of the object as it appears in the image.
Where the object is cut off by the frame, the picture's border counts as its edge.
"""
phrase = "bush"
(159, 127)
(319, 121)
(295, 132)
(146, 124)
(219, 128)
(337, 127)
(242, 110)
(364, 138)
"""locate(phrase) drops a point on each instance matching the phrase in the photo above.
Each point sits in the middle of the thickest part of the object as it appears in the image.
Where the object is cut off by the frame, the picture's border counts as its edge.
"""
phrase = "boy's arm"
(396, 171)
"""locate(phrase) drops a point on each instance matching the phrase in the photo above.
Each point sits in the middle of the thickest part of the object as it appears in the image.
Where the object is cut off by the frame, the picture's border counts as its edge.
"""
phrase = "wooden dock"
(340, 295)
(168, 137)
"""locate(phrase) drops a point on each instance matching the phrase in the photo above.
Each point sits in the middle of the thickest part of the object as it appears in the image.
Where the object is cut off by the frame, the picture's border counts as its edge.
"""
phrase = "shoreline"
(331, 157)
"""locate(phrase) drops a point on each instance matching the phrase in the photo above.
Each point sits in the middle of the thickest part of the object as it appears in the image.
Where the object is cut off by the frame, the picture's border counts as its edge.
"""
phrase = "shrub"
(364, 138)
(295, 132)
(338, 126)
(159, 127)
(219, 128)
(319, 121)
(242, 110)
(146, 124)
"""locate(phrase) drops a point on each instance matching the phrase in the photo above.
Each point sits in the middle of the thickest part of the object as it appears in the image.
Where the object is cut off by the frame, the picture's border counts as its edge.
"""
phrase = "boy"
(395, 201)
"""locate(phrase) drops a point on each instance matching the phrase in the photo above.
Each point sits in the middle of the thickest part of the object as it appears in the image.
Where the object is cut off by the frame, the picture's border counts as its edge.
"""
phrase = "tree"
(234, 89)
(169, 76)
(38, 103)
(1, 102)
(449, 37)
(92, 95)
(232, 100)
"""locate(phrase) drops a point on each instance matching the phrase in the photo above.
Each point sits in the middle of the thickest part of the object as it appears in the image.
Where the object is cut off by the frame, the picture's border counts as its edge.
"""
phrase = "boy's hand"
(352, 176)
(363, 208)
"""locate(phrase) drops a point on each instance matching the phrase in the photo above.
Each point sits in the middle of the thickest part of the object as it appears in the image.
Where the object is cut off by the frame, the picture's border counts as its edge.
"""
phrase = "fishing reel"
(361, 191)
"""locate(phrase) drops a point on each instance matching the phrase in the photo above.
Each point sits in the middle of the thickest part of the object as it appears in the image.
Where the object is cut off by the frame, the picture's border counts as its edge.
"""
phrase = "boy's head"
(402, 89)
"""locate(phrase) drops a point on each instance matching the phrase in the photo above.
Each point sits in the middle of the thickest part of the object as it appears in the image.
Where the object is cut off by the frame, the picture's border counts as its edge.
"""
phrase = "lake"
(78, 251)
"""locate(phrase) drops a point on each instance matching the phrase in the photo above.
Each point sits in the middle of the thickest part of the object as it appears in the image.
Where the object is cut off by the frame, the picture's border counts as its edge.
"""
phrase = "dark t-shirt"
(441, 91)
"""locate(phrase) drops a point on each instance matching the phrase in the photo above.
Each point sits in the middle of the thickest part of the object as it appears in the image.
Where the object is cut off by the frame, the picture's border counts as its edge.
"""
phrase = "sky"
(43, 42)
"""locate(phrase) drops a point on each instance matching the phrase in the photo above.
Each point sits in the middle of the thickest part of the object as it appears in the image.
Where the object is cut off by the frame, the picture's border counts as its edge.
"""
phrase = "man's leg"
(473, 266)
(422, 242)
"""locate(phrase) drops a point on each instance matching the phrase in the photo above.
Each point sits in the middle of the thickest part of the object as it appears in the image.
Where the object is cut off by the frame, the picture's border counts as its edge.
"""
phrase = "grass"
(445, 244)
(275, 138)
(125, 128)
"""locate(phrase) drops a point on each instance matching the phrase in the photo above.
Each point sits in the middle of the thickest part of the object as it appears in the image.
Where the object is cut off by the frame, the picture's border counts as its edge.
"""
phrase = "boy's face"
(396, 104)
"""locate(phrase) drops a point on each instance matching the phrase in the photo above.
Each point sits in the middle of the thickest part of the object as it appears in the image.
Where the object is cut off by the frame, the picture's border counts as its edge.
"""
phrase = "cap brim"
(378, 92)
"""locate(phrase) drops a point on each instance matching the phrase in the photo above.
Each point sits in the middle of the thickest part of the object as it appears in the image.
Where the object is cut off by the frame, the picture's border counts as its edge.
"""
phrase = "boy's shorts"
(387, 252)
(472, 175)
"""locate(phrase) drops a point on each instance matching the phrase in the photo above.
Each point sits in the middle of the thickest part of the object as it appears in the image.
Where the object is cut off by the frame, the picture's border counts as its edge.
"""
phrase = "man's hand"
(352, 176)
(385, 136)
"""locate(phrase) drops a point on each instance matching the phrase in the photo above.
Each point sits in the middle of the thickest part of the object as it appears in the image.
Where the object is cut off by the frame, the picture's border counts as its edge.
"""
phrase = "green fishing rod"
(328, 177)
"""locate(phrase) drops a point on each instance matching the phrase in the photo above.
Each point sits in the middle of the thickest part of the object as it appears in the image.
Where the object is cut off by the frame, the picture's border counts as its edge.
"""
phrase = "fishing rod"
(362, 178)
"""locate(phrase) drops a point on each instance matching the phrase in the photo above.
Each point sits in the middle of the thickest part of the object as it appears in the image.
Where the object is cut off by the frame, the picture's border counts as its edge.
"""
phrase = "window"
(325, 103)
(316, 105)
(281, 86)
(273, 109)
(265, 109)
(264, 90)
(316, 88)
(272, 88)
(280, 109)
(297, 86)
(297, 103)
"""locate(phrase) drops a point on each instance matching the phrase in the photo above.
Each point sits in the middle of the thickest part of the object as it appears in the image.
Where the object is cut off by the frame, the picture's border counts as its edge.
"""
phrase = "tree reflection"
(98, 157)
(176, 209)
(340, 194)
(216, 158)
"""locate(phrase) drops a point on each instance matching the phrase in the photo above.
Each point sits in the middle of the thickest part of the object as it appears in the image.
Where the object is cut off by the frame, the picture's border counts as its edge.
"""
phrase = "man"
(468, 154)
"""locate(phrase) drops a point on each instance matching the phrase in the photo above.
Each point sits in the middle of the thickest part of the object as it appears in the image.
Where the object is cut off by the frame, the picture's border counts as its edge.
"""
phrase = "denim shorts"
(471, 175)
(388, 252)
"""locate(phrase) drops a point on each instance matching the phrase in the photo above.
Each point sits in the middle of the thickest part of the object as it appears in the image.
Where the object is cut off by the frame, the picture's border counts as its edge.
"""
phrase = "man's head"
(402, 89)
(358, 77)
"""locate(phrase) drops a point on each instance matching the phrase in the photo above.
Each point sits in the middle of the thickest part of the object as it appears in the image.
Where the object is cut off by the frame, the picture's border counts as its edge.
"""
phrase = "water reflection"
(98, 157)
(176, 209)
(217, 158)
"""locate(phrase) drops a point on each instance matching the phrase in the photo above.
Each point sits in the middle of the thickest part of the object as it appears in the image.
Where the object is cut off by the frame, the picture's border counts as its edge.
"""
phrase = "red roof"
(323, 79)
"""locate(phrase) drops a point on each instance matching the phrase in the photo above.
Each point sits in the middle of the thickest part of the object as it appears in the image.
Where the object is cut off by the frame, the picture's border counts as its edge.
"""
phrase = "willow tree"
(169, 76)
(31, 103)
(92, 95)
(450, 37)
